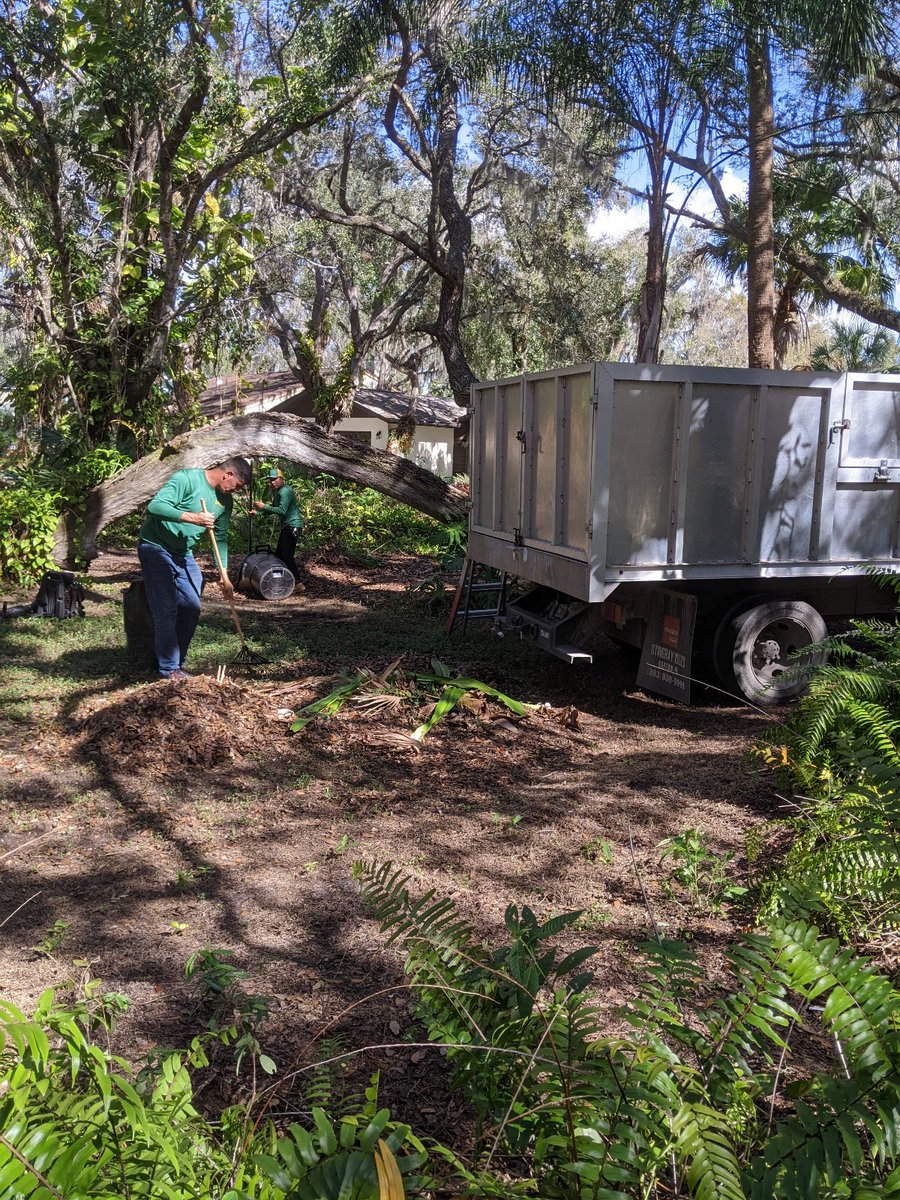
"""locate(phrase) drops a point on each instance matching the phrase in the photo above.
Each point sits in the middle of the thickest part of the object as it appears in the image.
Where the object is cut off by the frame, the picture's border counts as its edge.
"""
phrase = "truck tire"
(752, 649)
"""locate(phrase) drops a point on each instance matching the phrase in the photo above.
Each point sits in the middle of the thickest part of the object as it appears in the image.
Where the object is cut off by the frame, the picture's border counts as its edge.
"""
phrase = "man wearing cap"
(188, 505)
(284, 506)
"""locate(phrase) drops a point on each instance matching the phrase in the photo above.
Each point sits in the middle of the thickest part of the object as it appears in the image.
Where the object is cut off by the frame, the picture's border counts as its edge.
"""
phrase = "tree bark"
(760, 216)
(653, 289)
(280, 435)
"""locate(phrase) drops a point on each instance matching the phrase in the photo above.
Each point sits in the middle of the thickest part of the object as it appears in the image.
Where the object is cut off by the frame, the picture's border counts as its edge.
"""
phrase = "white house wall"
(377, 429)
(433, 449)
(432, 446)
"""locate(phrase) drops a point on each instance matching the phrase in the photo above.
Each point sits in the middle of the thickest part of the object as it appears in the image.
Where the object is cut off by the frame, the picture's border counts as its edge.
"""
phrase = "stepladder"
(473, 596)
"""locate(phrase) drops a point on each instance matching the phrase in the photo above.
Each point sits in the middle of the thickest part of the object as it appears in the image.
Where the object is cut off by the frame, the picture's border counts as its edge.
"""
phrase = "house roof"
(231, 394)
(227, 395)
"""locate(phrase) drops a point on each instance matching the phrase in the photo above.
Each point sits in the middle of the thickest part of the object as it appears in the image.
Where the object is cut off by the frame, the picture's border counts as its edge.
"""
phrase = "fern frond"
(751, 1019)
(860, 1007)
(703, 1141)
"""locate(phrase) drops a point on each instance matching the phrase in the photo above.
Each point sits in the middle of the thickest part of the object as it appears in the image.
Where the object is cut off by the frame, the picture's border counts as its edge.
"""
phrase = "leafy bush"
(339, 514)
(29, 512)
(840, 751)
(695, 1101)
(699, 871)
(28, 517)
(76, 1121)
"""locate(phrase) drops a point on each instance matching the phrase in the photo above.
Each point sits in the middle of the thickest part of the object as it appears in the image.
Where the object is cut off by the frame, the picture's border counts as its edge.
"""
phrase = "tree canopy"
(410, 193)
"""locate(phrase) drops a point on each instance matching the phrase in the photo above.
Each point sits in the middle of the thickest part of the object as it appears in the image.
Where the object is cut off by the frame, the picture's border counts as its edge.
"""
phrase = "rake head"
(247, 659)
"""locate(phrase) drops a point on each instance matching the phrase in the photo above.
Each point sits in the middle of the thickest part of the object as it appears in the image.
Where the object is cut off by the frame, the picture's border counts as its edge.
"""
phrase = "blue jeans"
(172, 583)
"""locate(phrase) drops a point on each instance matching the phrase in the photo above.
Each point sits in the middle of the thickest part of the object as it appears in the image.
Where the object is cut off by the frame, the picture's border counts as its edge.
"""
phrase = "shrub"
(840, 751)
(29, 512)
(28, 517)
(75, 1121)
(694, 1101)
(344, 515)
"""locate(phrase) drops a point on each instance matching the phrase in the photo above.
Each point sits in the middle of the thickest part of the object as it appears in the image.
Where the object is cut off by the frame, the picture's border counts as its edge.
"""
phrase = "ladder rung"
(466, 589)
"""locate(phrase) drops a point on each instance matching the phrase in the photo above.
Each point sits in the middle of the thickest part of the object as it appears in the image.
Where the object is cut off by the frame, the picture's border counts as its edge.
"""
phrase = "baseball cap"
(275, 473)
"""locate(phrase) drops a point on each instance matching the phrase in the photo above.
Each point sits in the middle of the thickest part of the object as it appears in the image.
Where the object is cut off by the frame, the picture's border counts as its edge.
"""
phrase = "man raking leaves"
(174, 524)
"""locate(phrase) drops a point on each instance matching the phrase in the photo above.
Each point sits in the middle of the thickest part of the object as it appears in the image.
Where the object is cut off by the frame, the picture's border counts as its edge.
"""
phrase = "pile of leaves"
(174, 726)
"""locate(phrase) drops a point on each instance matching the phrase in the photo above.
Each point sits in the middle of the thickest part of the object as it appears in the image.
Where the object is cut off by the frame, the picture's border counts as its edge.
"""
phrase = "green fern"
(844, 865)
(679, 1105)
(842, 750)
(79, 1124)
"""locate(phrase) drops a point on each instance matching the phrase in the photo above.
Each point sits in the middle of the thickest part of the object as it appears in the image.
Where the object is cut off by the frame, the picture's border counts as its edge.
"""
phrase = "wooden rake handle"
(224, 577)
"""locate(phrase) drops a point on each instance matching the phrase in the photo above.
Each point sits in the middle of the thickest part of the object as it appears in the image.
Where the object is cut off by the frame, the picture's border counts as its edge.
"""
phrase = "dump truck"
(717, 520)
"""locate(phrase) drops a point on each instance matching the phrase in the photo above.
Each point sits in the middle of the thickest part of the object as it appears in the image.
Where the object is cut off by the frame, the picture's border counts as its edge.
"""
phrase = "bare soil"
(156, 818)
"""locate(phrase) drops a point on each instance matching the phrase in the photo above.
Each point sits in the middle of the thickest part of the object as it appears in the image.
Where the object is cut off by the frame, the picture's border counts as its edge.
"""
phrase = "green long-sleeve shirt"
(285, 506)
(182, 493)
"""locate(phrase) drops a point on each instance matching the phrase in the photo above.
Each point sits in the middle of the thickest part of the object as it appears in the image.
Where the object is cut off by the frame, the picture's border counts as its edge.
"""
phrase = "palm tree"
(855, 346)
(844, 37)
(810, 209)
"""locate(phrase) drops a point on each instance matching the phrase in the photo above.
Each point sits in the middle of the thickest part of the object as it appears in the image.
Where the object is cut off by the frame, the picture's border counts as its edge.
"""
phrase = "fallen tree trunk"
(275, 435)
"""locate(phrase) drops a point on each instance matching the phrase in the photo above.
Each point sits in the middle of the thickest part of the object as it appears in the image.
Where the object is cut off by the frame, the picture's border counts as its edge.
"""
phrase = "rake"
(246, 658)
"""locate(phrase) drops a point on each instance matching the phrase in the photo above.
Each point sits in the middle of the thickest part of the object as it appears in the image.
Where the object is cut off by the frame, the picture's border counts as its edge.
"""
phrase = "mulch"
(172, 725)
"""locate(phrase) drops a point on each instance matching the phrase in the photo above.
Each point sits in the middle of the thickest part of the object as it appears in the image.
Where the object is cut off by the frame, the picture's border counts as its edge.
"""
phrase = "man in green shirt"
(284, 506)
(174, 524)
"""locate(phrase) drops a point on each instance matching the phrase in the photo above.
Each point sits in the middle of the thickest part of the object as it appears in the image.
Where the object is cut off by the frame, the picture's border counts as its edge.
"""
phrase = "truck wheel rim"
(770, 657)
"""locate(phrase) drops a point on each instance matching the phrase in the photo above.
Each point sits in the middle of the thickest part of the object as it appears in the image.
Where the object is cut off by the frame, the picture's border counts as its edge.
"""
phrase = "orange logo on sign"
(670, 631)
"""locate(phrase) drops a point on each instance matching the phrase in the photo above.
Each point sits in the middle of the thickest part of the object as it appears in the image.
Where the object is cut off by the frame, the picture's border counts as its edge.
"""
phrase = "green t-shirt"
(285, 506)
(182, 493)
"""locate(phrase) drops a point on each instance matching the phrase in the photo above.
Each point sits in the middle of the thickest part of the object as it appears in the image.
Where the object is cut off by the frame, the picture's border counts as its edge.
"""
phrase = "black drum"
(266, 575)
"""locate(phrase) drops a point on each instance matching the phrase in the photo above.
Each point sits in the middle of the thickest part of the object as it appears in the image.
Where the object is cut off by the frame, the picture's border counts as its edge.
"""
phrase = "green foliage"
(840, 750)
(488, 1000)
(129, 148)
(58, 481)
(52, 939)
(343, 515)
(393, 686)
(855, 346)
(78, 1122)
(334, 1161)
(93, 467)
(845, 728)
(28, 516)
(236, 1016)
(702, 873)
(597, 849)
(687, 1104)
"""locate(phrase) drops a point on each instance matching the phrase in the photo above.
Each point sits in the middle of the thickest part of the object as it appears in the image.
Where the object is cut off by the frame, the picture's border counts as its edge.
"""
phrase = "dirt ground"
(156, 818)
